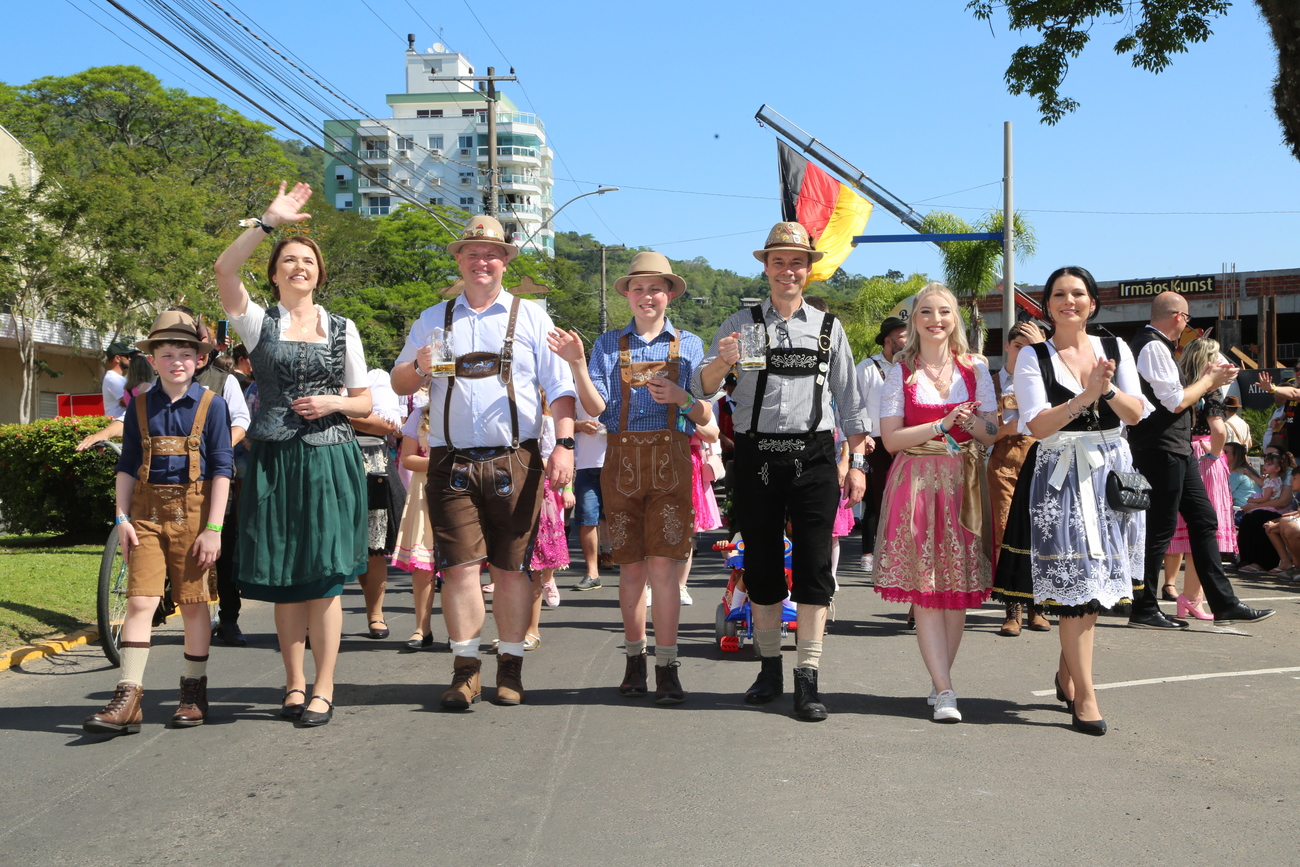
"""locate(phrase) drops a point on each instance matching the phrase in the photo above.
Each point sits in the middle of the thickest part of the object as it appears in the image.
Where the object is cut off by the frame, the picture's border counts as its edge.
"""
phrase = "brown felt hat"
(174, 326)
(483, 230)
(1232, 402)
(651, 264)
(789, 236)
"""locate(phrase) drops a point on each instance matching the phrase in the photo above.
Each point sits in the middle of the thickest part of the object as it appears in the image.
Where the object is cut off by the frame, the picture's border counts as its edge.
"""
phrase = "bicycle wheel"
(112, 597)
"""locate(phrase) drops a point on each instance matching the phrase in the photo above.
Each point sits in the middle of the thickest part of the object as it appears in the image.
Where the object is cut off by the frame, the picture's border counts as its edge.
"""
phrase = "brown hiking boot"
(1011, 626)
(194, 702)
(122, 714)
(634, 685)
(668, 689)
(510, 684)
(466, 688)
(1038, 620)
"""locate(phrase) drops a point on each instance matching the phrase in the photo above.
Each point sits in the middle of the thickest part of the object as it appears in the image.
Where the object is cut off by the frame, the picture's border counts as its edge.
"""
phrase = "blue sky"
(659, 99)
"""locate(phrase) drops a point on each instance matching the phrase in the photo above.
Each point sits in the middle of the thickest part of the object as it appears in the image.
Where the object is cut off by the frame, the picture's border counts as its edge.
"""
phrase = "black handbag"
(1128, 492)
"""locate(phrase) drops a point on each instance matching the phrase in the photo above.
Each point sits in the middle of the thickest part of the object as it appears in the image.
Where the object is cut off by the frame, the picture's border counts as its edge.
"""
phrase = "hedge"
(46, 485)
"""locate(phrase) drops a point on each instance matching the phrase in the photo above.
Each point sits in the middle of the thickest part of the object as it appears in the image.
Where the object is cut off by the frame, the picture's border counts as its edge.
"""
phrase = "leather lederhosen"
(789, 479)
(646, 482)
(168, 518)
(791, 362)
(484, 501)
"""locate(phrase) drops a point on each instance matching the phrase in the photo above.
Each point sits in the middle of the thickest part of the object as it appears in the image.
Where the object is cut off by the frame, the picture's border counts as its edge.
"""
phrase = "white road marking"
(1043, 692)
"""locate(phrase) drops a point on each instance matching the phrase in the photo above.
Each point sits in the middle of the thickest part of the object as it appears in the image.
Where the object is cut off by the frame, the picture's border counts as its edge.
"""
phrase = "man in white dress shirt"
(1162, 451)
(485, 469)
(871, 378)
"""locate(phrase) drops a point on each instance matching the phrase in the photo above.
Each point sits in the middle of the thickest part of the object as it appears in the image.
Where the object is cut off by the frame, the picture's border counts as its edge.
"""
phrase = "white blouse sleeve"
(1031, 394)
(984, 391)
(249, 326)
(1128, 380)
(891, 393)
(355, 374)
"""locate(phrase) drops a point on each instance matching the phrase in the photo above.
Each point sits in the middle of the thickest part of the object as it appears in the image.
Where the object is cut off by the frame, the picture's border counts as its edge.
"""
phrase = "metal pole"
(604, 313)
(494, 186)
(1008, 238)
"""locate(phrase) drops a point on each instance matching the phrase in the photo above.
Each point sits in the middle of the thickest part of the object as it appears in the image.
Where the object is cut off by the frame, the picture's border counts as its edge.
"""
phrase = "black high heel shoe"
(1094, 727)
(1060, 693)
(315, 717)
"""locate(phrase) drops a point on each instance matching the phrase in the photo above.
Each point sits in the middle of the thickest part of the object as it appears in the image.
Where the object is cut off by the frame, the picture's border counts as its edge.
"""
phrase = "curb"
(49, 647)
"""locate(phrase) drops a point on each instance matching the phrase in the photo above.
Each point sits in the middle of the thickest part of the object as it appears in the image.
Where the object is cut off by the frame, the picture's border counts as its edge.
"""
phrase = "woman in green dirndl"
(302, 517)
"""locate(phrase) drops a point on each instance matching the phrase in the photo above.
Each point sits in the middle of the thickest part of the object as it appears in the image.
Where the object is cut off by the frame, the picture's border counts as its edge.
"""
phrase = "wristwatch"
(1110, 395)
(567, 442)
(857, 462)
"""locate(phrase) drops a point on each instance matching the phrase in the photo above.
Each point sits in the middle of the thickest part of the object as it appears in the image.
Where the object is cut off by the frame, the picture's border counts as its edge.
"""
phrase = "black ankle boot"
(807, 704)
(770, 682)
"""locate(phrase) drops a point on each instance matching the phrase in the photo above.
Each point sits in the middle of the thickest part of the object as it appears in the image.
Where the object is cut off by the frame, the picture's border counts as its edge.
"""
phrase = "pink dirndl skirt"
(843, 525)
(707, 516)
(923, 554)
(1214, 474)
(551, 551)
(414, 546)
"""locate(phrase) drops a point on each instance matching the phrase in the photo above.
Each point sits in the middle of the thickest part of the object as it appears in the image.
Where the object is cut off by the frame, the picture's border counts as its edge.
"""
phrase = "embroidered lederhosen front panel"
(795, 362)
(478, 365)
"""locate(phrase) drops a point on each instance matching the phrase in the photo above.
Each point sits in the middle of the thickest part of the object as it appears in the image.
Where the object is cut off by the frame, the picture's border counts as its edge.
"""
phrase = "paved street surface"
(1194, 771)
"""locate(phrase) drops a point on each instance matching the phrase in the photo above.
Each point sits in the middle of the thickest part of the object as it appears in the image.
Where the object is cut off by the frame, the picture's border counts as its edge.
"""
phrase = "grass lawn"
(48, 585)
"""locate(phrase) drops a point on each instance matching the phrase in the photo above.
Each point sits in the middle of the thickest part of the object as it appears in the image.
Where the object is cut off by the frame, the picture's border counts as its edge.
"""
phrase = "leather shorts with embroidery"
(484, 504)
(646, 488)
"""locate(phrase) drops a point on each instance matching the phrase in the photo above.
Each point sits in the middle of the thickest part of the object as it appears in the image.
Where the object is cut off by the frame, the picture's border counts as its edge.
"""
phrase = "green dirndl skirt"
(302, 520)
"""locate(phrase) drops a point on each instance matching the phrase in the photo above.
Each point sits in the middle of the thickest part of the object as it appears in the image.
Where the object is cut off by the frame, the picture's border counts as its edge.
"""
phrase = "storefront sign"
(1181, 285)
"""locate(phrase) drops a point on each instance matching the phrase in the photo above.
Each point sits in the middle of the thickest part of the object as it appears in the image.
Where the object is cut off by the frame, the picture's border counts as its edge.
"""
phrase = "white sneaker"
(647, 597)
(686, 598)
(945, 707)
(934, 694)
(551, 594)
(868, 563)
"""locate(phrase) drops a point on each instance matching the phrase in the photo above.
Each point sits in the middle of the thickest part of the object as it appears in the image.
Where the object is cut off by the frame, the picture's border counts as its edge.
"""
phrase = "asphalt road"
(1193, 771)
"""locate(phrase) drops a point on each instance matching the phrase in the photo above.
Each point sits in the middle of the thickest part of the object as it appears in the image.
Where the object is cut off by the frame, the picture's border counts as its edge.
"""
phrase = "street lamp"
(599, 191)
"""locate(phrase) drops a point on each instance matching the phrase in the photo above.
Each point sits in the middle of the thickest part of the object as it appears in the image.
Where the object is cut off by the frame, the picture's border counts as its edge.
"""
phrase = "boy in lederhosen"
(785, 458)
(172, 481)
(635, 384)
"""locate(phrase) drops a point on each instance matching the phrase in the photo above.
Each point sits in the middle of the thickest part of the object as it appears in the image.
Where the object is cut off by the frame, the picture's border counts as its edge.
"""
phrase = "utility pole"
(604, 307)
(1008, 240)
(494, 183)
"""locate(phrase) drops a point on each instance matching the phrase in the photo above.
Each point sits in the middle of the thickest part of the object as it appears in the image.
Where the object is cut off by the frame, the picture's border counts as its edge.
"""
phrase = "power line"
(381, 20)
(682, 192)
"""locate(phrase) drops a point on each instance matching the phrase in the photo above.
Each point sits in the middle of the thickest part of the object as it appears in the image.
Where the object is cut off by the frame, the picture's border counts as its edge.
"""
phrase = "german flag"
(831, 212)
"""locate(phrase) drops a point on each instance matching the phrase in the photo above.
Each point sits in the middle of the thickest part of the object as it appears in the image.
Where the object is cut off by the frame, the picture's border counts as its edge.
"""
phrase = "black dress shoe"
(381, 632)
(292, 711)
(315, 717)
(1094, 727)
(229, 633)
(1242, 613)
(807, 703)
(1157, 620)
(770, 682)
(418, 643)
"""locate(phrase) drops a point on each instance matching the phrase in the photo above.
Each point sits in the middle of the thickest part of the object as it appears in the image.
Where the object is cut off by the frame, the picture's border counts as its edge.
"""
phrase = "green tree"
(46, 273)
(876, 297)
(1153, 32)
(971, 268)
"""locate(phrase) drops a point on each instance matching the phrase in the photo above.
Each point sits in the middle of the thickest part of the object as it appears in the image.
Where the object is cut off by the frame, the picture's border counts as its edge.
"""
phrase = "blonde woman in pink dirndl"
(937, 412)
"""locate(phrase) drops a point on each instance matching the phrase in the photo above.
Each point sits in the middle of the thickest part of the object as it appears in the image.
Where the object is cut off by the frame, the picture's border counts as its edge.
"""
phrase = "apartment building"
(434, 150)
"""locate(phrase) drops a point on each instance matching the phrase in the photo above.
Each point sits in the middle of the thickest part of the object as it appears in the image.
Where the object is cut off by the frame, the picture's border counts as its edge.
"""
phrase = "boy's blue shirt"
(175, 418)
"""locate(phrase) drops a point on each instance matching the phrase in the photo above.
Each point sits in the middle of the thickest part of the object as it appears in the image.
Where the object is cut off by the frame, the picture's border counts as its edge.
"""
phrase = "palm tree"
(971, 269)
